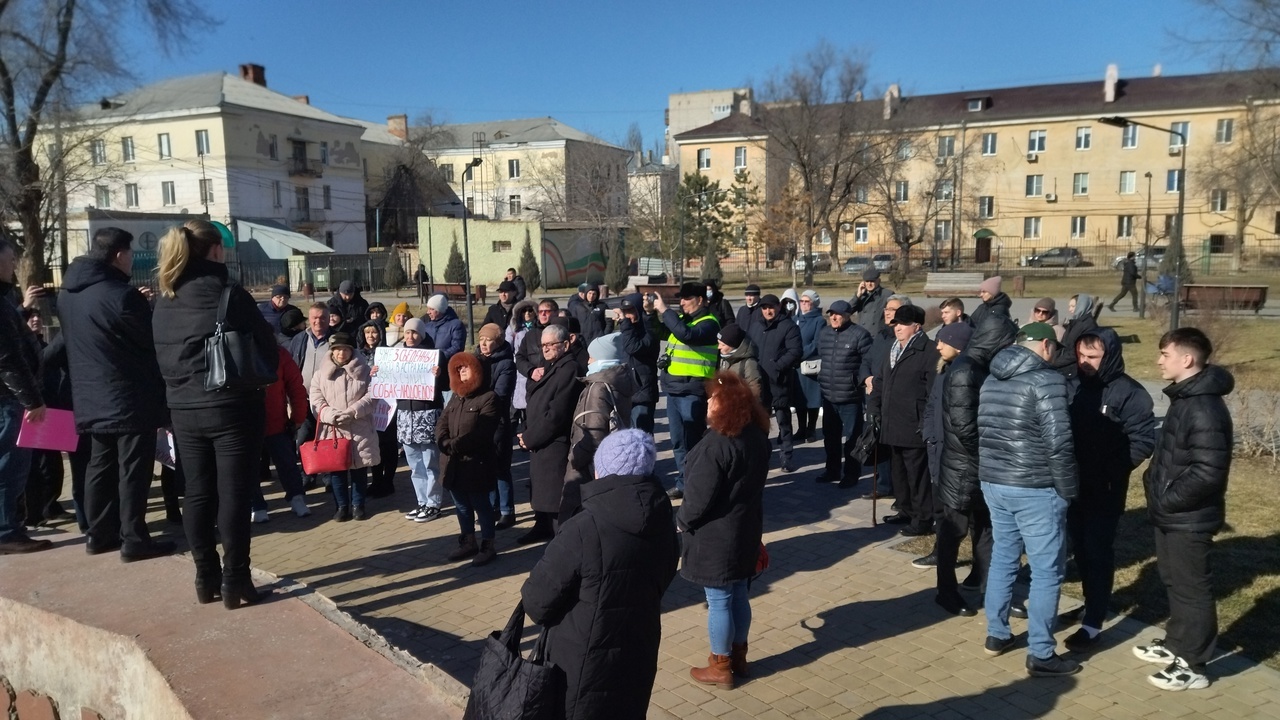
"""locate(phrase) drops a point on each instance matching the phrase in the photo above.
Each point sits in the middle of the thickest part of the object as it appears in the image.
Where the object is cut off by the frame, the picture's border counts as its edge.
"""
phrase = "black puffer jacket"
(958, 485)
(996, 306)
(779, 352)
(19, 354)
(841, 352)
(1024, 428)
(1186, 482)
(181, 325)
(500, 373)
(115, 381)
(900, 392)
(598, 589)
(641, 344)
(1113, 426)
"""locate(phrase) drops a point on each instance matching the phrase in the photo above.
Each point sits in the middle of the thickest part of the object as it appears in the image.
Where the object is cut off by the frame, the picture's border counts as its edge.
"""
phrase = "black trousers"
(384, 472)
(1092, 530)
(219, 450)
(1127, 290)
(1183, 559)
(841, 425)
(912, 490)
(785, 440)
(952, 528)
(116, 482)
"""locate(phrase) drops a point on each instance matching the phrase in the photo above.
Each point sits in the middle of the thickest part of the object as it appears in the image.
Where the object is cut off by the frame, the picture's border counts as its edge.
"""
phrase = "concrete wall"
(495, 246)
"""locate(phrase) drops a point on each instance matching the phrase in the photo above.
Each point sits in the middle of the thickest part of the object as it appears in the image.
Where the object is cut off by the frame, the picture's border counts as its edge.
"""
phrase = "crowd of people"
(1020, 436)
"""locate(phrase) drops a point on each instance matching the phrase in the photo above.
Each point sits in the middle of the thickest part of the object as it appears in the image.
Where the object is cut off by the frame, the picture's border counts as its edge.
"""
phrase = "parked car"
(821, 262)
(857, 265)
(1057, 257)
(1157, 255)
(883, 262)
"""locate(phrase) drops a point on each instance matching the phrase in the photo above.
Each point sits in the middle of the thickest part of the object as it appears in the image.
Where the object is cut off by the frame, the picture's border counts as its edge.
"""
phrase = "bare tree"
(64, 49)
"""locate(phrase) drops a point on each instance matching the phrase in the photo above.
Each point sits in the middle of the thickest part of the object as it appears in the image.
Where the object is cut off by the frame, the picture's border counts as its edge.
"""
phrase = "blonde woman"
(218, 433)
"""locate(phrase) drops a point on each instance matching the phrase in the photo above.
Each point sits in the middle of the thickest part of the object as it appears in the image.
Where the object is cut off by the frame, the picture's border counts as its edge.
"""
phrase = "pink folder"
(56, 432)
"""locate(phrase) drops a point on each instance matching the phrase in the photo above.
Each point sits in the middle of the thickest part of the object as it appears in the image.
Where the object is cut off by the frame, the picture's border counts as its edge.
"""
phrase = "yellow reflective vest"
(698, 361)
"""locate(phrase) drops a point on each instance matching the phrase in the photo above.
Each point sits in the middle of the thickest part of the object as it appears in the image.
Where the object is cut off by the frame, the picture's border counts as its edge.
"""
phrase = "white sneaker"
(415, 513)
(428, 514)
(299, 505)
(260, 516)
(1155, 652)
(1179, 676)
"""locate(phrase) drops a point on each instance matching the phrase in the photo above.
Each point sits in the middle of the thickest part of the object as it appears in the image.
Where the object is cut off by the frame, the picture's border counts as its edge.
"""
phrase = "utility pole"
(1146, 250)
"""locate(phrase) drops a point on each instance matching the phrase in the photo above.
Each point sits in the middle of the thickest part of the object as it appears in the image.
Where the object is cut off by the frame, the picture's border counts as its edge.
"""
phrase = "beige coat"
(346, 388)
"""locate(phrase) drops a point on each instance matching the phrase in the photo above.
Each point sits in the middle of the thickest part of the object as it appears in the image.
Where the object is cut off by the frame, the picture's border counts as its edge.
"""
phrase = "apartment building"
(691, 110)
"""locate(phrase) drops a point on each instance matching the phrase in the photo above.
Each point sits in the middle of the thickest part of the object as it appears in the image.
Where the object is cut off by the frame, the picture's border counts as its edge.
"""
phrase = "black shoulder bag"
(509, 687)
(232, 358)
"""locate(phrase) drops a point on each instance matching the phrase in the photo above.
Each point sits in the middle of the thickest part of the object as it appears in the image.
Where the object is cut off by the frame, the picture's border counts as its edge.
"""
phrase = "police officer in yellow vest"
(687, 363)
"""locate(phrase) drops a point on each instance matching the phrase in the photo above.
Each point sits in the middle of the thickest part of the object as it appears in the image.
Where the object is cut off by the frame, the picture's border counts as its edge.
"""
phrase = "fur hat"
(490, 331)
(439, 303)
(607, 347)
(626, 452)
(991, 285)
(473, 383)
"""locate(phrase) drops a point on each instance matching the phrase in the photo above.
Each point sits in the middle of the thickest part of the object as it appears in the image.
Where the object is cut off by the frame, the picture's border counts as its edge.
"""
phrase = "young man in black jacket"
(1186, 487)
(779, 350)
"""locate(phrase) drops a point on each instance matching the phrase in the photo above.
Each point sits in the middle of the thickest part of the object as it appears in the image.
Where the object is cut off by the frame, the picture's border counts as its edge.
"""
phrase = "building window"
(1031, 228)
(103, 194)
(163, 146)
(859, 194)
(168, 192)
(740, 158)
(513, 169)
(1218, 200)
(1036, 141)
(1080, 184)
(947, 146)
(302, 199)
(1226, 130)
(1128, 182)
(471, 206)
(468, 173)
(704, 158)
(99, 152)
(513, 205)
(974, 104)
(1035, 185)
(901, 191)
(904, 150)
(328, 238)
(327, 194)
(1084, 138)
(1179, 127)
(273, 148)
(1129, 137)
(941, 231)
(1173, 181)
(206, 191)
(986, 206)
(126, 149)
(944, 190)
(324, 153)
(202, 142)
(988, 143)
(1124, 226)
(1078, 225)
(276, 199)
(131, 195)
(502, 246)
(446, 172)
(862, 234)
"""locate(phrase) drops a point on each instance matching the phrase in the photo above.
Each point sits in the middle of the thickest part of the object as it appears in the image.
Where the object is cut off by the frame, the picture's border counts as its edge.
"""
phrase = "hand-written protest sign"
(404, 374)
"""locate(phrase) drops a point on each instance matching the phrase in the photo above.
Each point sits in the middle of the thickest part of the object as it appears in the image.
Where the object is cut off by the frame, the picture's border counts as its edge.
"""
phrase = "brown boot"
(487, 552)
(738, 660)
(716, 673)
(466, 548)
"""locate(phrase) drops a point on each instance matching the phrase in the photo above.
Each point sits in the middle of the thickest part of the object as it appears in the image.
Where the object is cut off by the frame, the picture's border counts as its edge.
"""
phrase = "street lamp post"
(466, 250)
(1176, 244)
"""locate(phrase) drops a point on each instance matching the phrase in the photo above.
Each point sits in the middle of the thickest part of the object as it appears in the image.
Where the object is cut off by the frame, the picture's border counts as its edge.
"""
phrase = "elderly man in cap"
(778, 350)
(275, 307)
(869, 301)
(638, 333)
(1026, 459)
(350, 305)
(841, 347)
(901, 388)
(749, 314)
(500, 312)
(689, 361)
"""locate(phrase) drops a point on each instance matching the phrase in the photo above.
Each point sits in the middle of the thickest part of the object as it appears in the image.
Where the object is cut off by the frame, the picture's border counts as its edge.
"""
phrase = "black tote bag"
(232, 358)
(509, 687)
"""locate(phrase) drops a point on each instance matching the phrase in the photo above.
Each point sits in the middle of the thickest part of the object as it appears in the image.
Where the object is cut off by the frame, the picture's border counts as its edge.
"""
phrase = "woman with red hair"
(468, 466)
(722, 519)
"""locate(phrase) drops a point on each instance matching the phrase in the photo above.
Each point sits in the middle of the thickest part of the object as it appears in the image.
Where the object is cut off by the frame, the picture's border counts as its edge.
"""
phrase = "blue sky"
(600, 66)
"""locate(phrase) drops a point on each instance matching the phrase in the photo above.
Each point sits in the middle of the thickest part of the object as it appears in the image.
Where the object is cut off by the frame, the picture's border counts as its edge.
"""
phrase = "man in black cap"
(690, 359)
(841, 347)
(275, 307)
(351, 305)
(779, 349)
(500, 312)
(749, 313)
(900, 391)
(577, 302)
(640, 341)
(869, 301)
(595, 318)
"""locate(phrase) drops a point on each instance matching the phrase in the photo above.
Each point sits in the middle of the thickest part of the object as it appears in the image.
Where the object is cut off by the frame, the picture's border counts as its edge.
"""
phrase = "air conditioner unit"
(846, 227)
(1051, 197)
(1033, 157)
(1175, 151)
(940, 161)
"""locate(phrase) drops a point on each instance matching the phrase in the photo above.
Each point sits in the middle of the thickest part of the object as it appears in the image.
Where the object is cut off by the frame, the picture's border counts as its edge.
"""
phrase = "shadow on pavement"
(1036, 697)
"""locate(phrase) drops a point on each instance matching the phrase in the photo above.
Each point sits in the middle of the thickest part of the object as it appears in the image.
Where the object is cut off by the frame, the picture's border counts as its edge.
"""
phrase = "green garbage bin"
(320, 278)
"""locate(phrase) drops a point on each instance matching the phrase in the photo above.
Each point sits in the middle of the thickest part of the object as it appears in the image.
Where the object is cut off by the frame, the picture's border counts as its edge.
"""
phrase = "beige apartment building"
(1035, 167)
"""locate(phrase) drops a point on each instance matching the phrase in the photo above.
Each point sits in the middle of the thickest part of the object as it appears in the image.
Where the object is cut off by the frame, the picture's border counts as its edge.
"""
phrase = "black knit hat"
(731, 335)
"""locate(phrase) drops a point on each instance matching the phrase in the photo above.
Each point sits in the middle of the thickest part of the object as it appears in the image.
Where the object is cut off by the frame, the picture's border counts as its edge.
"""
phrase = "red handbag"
(325, 454)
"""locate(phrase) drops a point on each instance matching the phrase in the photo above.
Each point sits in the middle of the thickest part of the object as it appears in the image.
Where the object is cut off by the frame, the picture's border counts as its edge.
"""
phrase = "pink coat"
(346, 388)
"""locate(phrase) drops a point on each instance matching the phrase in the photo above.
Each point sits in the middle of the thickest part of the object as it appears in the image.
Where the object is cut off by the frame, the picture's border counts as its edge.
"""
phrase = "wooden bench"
(458, 292)
(953, 284)
(1227, 297)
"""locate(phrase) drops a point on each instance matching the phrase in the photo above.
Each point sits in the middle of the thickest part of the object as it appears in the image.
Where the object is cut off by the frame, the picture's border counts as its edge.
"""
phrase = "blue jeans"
(728, 616)
(1034, 520)
(642, 417)
(687, 418)
(15, 465)
(467, 506)
(348, 487)
(284, 455)
(422, 473)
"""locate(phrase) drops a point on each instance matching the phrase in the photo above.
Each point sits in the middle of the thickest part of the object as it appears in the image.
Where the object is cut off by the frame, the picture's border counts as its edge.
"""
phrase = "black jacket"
(598, 589)
(500, 372)
(1024, 427)
(899, 393)
(522, 290)
(640, 342)
(56, 380)
(498, 315)
(1129, 273)
(931, 425)
(594, 318)
(720, 308)
(881, 341)
(747, 317)
(779, 352)
(1186, 482)
(722, 516)
(549, 418)
(683, 329)
(181, 325)
(19, 354)
(353, 311)
(841, 352)
(958, 486)
(1078, 325)
(529, 354)
(270, 313)
(1113, 426)
(998, 305)
(115, 381)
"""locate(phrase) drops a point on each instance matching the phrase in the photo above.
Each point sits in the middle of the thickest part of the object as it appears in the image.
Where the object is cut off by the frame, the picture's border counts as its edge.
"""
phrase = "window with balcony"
(163, 148)
(1036, 141)
(1084, 138)
(704, 158)
(988, 143)
(740, 158)
(513, 169)
(103, 195)
(126, 149)
(131, 195)
(1080, 184)
(1035, 185)
(901, 191)
(986, 206)
(1031, 228)
(1225, 132)
(1173, 181)
(1128, 182)
(1124, 226)
(1129, 137)
(1176, 142)
(1078, 227)
(168, 193)
(98, 152)
(1218, 200)
(514, 206)
(202, 142)
(206, 191)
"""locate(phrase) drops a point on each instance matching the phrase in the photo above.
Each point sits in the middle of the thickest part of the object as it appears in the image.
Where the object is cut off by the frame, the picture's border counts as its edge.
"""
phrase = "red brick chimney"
(254, 73)
(398, 125)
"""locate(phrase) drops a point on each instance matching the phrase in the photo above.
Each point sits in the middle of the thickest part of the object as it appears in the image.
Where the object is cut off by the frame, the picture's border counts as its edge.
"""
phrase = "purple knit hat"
(626, 452)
